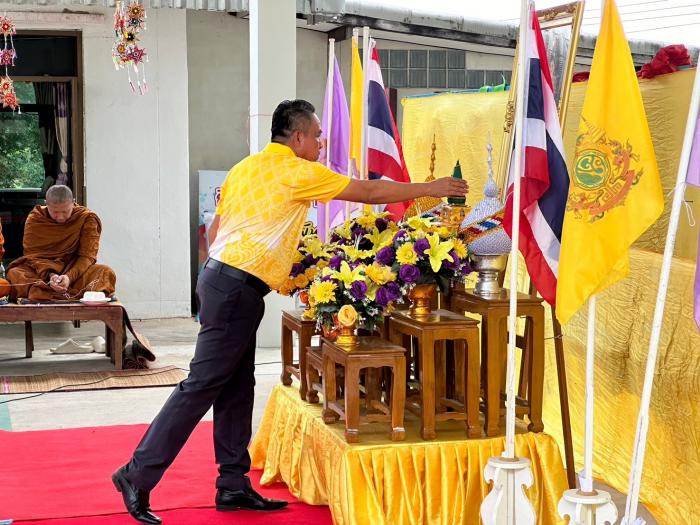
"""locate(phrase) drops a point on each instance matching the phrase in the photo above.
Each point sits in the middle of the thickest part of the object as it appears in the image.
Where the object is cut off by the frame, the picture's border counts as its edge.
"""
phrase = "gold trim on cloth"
(386, 483)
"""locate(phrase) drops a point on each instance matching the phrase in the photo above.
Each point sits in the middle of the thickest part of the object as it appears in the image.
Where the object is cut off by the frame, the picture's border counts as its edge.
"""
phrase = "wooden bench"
(111, 314)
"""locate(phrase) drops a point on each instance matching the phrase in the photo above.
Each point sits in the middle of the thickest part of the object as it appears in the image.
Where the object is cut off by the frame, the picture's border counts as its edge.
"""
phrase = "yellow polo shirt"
(262, 207)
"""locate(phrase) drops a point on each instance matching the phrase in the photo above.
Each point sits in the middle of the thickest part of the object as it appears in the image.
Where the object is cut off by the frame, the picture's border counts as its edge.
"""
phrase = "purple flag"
(693, 178)
(339, 139)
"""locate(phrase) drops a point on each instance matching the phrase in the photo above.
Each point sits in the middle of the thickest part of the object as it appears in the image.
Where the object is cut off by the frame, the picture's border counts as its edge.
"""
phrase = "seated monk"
(61, 241)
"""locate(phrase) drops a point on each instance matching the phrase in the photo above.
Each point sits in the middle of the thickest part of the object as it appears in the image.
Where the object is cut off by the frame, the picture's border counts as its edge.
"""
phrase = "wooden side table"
(292, 321)
(494, 347)
(442, 325)
(371, 352)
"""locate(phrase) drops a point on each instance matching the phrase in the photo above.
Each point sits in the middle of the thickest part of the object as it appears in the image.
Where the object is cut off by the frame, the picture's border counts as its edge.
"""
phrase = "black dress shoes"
(136, 500)
(245, 499)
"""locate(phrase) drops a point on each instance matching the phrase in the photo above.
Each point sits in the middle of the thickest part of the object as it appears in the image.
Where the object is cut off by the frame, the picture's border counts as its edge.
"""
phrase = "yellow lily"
(438, 251)
(355, 253)
(315, 247)
(380, 240)
(348, 275)
(420, 223)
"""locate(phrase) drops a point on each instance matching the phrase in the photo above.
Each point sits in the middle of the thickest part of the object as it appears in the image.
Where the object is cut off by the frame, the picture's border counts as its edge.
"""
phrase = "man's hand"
(59, 283)
(448, 187)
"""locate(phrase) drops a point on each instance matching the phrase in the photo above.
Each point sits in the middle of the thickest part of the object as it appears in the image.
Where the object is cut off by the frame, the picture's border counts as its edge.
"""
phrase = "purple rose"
(399, 235)
(409, 273)
(466, 268)
(358, 231)
(358, 290)
(309, 260)
(334, 263)
(335, 238)
(386, 256)
(454, 265)
(383, 297)
(420, 246)
(297, 269)
(394, 290)
(381, 224)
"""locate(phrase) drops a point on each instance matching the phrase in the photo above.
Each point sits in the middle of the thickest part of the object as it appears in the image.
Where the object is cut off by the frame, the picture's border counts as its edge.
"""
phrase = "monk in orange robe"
(61, 241)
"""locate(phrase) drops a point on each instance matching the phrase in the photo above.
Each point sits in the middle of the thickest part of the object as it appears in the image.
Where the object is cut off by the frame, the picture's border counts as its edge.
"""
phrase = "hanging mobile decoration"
(8, 97)
(129, 21)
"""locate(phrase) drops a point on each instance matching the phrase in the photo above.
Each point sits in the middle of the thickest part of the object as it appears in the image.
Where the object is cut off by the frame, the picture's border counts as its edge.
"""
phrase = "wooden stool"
(494, 347)
(371, 352)
(292, 321)
(442, 325)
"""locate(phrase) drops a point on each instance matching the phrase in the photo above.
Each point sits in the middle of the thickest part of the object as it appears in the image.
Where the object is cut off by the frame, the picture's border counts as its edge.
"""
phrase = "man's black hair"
(289, 116)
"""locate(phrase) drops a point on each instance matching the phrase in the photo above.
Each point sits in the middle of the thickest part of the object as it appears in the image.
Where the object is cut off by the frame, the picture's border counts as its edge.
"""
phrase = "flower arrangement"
(425, 252)
(312, 255)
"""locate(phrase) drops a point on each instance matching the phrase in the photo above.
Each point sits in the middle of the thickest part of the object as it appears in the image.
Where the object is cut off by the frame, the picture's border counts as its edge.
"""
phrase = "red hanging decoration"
(129, 21)
(8, 97)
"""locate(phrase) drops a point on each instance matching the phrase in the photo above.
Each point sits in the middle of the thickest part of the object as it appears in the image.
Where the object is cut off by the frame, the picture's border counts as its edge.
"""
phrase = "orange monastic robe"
(69, 248)
(2, 244)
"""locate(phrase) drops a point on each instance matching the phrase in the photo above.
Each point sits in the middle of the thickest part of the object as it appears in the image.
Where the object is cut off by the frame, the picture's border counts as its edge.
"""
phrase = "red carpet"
(63, 476)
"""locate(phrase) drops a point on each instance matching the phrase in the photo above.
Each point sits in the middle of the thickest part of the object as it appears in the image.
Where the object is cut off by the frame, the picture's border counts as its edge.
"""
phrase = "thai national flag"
(384, 154)
(545, 181)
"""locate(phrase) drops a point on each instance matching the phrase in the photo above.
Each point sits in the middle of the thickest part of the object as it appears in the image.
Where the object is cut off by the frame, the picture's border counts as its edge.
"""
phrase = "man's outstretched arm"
(385, 191)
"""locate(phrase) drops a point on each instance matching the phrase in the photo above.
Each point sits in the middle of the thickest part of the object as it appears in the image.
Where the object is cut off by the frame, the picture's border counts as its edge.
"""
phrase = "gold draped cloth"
(625, 311)
(382, 482)
(68, 248)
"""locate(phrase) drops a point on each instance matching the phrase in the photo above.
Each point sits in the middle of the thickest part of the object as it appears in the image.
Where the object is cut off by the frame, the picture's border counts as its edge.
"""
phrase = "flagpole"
(329, 125)
(587, 506)
(355, 41)
(506, 503)
(640, 440)
(365, 105)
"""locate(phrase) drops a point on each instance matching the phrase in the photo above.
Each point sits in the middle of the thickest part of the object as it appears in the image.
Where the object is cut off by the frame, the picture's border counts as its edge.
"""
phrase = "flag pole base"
(587, 508)
(507, 503)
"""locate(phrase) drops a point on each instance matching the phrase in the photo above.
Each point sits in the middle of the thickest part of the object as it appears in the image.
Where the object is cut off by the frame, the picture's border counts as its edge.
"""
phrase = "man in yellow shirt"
(263, 205)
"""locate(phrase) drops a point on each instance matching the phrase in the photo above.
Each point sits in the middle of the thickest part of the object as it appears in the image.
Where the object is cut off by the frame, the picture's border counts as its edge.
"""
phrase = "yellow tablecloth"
(380, 482)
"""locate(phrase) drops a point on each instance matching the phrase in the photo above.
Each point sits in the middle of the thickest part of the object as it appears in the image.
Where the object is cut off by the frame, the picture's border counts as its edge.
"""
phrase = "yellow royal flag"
(356, 108)
(615, 192)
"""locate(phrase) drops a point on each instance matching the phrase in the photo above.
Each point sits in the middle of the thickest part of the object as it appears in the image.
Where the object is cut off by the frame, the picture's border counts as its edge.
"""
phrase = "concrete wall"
(136, 157)
(219, 70)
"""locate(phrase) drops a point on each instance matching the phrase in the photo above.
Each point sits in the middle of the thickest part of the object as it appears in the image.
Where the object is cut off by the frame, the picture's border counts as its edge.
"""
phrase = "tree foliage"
(21, 164)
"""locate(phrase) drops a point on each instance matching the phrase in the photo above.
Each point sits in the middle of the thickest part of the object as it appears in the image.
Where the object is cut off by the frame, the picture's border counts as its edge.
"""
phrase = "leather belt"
(251, 280)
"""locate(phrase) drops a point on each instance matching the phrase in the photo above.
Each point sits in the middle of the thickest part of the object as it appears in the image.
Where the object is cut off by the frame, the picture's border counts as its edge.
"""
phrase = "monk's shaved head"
(59, 194)
(59, 202)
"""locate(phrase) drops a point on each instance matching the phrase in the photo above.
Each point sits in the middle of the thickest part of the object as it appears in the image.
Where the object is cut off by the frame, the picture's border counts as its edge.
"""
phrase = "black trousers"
(222, 374)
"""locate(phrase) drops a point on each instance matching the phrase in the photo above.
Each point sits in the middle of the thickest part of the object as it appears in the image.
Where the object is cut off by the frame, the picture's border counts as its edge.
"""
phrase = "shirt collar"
(275, 147)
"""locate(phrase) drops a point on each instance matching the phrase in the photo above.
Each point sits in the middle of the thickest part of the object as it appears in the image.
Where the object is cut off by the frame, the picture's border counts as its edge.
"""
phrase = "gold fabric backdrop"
(460, 123)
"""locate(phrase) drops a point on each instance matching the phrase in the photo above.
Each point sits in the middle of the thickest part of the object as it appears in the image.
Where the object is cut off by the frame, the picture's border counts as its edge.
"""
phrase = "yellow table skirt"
(382, 482)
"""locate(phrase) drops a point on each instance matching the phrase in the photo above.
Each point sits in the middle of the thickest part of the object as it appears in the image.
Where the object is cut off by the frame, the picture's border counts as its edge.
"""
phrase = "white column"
(273, 78)
(273, 59)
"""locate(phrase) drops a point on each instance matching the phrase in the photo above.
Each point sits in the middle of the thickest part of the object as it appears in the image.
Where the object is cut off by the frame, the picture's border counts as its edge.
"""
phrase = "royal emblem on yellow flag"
(615, 192)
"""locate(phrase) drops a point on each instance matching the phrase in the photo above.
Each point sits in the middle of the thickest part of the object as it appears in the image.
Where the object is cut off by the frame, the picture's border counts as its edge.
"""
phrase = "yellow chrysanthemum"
(443, 232)
(406, 255)
(309, 313)
(301, 281)
(367, 220)
(380, 274)
(460, 248)
(323, 292)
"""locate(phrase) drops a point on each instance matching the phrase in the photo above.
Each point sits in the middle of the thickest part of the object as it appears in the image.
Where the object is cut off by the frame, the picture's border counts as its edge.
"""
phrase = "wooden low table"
(293, 322)
(442, 325)
(111, 314)
(371, 352)
(494, 340)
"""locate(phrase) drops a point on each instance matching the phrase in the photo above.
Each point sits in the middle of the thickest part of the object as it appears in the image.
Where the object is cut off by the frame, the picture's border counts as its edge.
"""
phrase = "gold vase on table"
(420, 296)
(347, 324)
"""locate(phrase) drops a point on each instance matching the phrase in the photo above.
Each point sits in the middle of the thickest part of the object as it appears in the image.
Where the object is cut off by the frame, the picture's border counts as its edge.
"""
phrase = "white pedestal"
(594, 508)
(507, 503)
